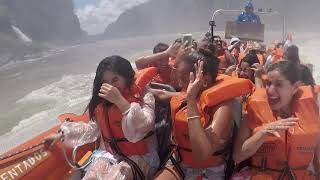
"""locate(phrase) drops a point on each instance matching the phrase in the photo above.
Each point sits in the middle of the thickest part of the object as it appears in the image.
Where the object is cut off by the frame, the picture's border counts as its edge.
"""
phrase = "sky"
(96, 15)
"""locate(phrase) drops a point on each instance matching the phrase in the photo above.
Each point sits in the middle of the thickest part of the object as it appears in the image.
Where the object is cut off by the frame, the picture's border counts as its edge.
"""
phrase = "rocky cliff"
(5, 26)
(45, 20)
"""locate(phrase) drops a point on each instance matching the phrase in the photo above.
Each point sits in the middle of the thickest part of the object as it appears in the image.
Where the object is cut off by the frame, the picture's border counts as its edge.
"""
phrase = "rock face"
(5, 25)
(163, 16)
(41, 20)
(45, 20)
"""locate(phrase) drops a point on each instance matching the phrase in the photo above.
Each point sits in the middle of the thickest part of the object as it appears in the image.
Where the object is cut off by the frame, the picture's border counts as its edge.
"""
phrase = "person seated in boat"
(251, 47)
(292, 54)
(246, 68)
(200, 133)
(249, 15)
(235, 48)
(234, 42)
(274, 54)
(178, 51)
(121, 114)
(236, 54)
(288, 42)
(249, 68)
(263, 52)
(281, 134)
(162, 55)
(224, 55)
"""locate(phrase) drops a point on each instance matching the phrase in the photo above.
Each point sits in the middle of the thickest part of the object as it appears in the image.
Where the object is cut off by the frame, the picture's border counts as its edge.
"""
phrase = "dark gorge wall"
(45, 20)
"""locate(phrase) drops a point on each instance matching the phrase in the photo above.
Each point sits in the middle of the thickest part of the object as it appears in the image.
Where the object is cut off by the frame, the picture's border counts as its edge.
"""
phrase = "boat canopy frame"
(270, 12)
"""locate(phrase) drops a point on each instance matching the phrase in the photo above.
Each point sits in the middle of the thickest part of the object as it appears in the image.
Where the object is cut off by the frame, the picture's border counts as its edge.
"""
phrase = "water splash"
(23, 37)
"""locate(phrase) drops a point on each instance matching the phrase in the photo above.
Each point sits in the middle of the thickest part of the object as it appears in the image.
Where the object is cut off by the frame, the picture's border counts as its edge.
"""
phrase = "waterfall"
(23, 37)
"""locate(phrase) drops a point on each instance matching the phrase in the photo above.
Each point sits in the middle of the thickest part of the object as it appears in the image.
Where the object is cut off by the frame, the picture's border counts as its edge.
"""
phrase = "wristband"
(193, 117)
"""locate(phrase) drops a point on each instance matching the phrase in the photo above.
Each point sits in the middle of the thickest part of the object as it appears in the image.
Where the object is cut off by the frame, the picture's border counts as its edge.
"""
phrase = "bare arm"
(258, 82)
(258, 72)
(204, 142)
(247, 145)
(146, 61)
(163, 95)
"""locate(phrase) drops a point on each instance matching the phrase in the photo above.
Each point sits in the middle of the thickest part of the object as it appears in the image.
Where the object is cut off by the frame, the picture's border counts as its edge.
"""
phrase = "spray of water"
(23, 37)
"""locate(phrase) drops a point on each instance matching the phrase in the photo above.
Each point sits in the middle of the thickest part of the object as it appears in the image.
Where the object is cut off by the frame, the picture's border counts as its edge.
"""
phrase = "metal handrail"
(213, 18)
(73, 163)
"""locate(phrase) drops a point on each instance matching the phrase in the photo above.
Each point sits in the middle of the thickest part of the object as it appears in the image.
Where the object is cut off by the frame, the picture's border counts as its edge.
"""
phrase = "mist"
(172, 16)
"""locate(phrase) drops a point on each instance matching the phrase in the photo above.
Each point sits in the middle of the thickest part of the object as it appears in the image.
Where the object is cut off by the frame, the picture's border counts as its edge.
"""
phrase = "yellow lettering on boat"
(13, 173)
(23, 166)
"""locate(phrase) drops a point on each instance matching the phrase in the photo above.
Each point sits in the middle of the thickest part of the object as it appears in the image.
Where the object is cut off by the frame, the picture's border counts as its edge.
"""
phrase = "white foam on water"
(42, 107)
(31, 58)
(70, 94)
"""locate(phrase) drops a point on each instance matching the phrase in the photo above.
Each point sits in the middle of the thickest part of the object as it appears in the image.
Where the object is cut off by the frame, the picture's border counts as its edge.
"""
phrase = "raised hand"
(183, 51)
(258, 70)
(110, 93)
(196, 81)
(173, 50)
(281, 124)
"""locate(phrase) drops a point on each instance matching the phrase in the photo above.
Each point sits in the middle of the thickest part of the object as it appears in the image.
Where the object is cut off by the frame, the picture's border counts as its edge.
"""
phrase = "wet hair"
(237, 48)
(306, 76)
(210, 62)
(279, 45)
(292, 54)
(250, 58)
(287, 69)
(210, 46)
(117, 65)
(160, 47)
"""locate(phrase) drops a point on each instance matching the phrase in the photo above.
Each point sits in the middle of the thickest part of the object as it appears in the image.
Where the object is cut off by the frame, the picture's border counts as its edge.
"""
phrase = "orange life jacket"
(110, 119)
(295, 149)
(277, 55)
(165, 77)
(225, 89)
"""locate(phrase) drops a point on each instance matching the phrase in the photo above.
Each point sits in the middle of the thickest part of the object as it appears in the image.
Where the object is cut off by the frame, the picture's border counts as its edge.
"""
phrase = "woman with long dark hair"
(202, 117)
(121, 113)
(281, 134)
